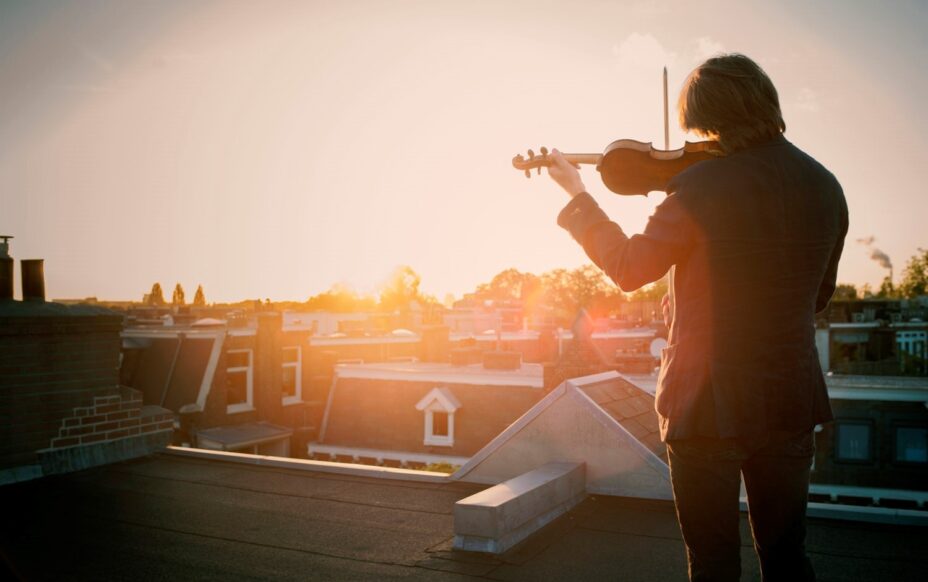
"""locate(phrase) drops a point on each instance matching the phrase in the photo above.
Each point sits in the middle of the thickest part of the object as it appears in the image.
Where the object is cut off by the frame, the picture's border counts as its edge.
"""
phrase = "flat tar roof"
(168, 517)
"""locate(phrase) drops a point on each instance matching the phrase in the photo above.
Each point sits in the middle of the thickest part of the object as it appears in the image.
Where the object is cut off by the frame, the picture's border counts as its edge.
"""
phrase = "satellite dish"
(657, 344)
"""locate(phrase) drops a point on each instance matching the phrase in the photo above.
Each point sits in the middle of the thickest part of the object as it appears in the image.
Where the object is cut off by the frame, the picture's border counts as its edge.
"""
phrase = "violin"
(629, 167)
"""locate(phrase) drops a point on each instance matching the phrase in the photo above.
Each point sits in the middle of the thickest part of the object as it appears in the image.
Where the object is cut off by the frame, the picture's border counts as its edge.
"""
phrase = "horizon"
(276, 151)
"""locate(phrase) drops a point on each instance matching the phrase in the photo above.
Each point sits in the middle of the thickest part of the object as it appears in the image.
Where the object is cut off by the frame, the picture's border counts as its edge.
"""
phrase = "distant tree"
(887, 289)
(401, 289)
(156, 296)
(845, 292)
(199, 299)
(508, 285)
(340, 299)
(178, 297)
(584, 287)
(915, 276)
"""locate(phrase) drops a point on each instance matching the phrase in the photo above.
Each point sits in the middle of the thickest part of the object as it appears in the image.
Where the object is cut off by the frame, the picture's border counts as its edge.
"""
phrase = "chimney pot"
(6, 268)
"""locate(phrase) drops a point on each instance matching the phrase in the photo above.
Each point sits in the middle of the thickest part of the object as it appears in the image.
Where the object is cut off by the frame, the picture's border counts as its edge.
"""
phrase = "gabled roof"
(630, 406)
(620, 444)
(444, 397)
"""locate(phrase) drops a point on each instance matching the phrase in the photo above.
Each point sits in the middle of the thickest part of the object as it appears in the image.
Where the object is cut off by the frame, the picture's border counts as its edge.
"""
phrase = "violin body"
(629, 167)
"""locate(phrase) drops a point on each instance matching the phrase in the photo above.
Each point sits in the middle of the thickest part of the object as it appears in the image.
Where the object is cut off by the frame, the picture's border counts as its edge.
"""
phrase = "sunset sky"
(273, 149)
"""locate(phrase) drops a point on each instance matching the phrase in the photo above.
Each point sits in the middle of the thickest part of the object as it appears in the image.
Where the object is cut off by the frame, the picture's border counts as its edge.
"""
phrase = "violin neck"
(583, 158)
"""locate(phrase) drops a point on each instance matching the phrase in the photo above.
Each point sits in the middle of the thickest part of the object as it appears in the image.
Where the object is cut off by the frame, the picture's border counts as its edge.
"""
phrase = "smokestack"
(6, 268)
(33, 276)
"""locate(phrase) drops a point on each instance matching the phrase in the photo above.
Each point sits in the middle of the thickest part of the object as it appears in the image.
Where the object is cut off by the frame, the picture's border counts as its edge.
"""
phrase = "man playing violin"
(755, 237)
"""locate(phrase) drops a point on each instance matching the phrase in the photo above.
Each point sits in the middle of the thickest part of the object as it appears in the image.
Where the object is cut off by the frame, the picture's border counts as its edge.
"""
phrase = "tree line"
(914, 283)
(564, 290)
(155, 297)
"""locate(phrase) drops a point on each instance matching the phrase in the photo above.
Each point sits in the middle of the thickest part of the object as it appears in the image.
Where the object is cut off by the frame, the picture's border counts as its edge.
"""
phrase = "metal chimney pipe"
(6, 268)
(33, 276)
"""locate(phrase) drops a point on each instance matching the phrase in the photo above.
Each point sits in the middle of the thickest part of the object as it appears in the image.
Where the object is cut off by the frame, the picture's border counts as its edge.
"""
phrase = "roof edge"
(308, 465)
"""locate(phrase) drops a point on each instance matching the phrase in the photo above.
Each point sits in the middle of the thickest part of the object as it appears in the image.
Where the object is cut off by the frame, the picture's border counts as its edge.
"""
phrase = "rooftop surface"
(170, 517)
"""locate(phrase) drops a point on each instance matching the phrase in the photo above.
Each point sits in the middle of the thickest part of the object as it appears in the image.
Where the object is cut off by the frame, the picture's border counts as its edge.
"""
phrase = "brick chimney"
(436, 343)
(268, 382)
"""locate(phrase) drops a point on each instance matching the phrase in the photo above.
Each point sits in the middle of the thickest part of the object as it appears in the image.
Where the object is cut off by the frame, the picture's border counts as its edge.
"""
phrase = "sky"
(275, 149)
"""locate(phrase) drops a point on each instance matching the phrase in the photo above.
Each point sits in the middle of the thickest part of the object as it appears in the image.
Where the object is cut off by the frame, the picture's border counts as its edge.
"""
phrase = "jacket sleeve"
(829, 280)
(629, 261)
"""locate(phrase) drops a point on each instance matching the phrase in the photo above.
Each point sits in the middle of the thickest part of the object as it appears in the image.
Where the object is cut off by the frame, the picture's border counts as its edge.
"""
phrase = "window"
(292, 374)
(439, 423)
(439, 407)
(239, 381)
(853, 441)
(911, 444)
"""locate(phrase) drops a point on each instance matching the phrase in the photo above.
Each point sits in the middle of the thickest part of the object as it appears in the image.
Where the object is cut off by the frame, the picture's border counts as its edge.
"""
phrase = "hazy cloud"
(807, 100)
(645, 52)
(642, 52)
(707, 47)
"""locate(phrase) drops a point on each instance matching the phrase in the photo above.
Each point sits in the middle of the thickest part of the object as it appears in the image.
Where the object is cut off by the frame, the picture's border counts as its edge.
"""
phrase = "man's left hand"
(565, 174)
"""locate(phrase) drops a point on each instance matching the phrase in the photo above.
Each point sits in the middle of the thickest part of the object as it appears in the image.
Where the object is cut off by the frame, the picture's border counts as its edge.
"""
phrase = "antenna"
(666, 125)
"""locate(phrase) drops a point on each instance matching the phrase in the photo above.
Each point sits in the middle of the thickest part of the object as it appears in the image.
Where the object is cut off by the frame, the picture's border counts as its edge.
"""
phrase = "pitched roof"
(384, 414)
(620, 444)
(631, 407)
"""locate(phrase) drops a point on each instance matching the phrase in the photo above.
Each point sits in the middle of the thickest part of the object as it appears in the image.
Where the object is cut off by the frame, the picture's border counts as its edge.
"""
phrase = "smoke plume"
(875, 253)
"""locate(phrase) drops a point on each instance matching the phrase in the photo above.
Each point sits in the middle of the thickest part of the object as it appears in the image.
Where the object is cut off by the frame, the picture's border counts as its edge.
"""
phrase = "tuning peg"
(544, 151)
(531, 154)
(528, 173)
(539, 170)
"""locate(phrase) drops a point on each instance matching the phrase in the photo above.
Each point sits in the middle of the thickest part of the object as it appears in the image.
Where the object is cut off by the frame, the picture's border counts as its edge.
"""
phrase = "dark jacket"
(755, 237)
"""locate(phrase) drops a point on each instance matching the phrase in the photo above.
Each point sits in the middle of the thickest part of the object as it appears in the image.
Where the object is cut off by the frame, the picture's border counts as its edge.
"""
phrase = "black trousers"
(706, 478)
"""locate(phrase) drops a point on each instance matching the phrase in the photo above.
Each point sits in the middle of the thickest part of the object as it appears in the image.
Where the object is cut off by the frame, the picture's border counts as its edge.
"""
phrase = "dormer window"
(439, 407)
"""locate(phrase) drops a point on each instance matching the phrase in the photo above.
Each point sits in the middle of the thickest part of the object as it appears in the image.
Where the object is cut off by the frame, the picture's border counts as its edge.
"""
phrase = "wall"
(52, 359)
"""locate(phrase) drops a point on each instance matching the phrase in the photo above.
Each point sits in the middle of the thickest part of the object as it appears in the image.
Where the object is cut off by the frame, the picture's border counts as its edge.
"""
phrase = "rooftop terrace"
(173, 517)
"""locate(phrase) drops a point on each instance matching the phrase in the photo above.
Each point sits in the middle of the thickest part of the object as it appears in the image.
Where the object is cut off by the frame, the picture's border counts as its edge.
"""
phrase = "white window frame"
(438, 439)
(248, 405)
(438, 400)
(298, 376)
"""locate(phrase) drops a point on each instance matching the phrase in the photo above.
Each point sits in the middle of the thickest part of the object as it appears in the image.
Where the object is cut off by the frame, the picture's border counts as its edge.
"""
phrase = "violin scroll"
(532, 161)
